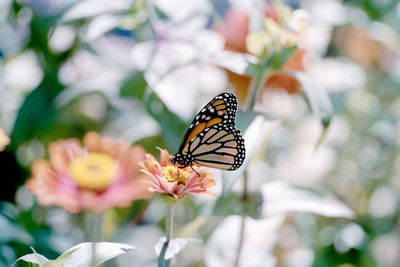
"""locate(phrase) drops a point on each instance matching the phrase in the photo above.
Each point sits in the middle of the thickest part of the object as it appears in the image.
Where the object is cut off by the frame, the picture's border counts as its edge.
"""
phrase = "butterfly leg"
(194, 170)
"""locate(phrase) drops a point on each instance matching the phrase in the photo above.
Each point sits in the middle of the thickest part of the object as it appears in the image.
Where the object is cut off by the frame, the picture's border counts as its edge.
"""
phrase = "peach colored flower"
(4, 140)
(235, 30)
(170, 180)
(357, 44)
(102, 173)
(282, 81)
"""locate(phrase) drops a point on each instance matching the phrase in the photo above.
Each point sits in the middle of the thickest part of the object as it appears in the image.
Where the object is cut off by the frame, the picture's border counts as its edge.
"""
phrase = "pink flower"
(234, 29)
(102, 173)
(170, 180)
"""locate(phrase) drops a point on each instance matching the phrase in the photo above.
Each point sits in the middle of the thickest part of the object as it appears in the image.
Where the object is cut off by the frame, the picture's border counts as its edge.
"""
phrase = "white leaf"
(260, 237)
(174, 246)
(33, 258)
(91, 8)
(255, 139)
(317, 96)
(333, 74)
(101, 25)
(256, 134)
(280, 197)
(81, 254)
(235, 62)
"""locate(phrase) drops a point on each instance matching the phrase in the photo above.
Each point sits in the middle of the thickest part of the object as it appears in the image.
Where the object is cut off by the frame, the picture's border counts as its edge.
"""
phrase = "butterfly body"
(212, 139)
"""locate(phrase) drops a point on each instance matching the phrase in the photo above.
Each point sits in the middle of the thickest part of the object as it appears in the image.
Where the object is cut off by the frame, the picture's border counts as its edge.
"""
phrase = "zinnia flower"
(175, 182)
(238, 39)
(4, 140)
(102, 173)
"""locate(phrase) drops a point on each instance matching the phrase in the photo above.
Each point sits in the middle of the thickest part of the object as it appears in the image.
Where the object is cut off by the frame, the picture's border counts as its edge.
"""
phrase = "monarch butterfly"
(212, 139)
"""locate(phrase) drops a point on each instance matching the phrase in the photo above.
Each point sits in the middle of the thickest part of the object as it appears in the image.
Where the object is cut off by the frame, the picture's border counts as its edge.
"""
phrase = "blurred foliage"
(364, 172)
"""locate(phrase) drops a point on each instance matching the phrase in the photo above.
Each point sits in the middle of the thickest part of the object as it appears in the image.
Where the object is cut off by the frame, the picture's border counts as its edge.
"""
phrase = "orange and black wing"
(212, 139)
(220, 110)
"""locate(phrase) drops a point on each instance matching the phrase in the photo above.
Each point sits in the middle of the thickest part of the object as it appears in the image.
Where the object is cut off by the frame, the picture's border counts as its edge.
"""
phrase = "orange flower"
(102, 173)
(175, 182)
(235, 31)
(357, 44)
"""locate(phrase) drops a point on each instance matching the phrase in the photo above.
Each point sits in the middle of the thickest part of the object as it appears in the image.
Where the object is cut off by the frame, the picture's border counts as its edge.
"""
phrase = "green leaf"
(244, 119)
(11, 232)
(38, 112)
(134, 86)
(277, 60)
(234, 204)
(253, 70)
(148, 144)
(160, 14)
(171, 125)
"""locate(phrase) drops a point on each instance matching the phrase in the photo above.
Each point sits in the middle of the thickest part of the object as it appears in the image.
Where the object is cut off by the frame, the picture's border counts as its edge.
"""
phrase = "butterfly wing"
(220, 146)
(212, 139)
(220, 110)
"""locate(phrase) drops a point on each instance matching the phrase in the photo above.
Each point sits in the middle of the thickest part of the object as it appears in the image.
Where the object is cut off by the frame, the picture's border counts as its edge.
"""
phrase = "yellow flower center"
(173, 174)
(94, 171)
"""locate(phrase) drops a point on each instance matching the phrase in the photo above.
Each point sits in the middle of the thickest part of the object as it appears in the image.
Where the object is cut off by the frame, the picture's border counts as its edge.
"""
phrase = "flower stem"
(169, 221)
(243, 222)
(93, 226)
(241, 238)
(93, 231)
(162, 262)
(257, 83)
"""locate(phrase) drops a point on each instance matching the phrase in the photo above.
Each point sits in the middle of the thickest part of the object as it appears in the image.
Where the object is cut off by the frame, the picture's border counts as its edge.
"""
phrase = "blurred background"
(140, 70)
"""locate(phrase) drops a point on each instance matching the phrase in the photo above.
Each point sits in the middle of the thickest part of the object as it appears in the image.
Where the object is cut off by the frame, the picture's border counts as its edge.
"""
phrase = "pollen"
(94, 171)
(173, 174)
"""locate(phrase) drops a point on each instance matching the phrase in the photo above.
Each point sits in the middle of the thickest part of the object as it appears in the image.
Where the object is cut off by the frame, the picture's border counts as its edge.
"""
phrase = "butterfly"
(212, 139)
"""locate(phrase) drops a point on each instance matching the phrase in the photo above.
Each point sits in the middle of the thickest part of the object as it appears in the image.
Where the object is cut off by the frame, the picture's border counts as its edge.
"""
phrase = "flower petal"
(53, 183)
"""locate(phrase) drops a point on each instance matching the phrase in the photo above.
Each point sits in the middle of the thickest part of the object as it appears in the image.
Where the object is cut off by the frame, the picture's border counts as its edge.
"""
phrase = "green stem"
(169, 221)
(93, 226)
(241, 239)
(93, 231)
(257, 83)
(243, 222)
(162, 262)
(245, 187)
